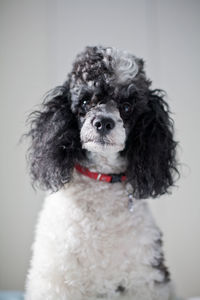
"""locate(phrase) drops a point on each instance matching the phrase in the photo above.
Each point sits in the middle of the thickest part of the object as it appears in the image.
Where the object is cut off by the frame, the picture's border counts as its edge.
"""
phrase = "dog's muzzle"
(103, 129)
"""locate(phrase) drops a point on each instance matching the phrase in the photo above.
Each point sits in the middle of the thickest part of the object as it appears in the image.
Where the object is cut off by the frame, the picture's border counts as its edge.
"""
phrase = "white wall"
(39, 40)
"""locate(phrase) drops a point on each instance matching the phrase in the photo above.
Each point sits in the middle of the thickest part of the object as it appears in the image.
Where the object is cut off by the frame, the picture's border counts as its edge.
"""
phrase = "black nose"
(103, 125)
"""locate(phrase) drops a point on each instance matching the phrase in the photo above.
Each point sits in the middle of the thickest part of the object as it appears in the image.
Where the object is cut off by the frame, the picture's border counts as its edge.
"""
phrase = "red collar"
(112, 178)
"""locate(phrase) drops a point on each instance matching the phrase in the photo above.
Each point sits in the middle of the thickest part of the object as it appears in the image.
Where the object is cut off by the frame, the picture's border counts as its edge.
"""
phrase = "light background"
(39, 40)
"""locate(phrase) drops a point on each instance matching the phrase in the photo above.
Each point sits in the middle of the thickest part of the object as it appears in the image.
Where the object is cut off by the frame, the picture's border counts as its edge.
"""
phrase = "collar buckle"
(115, 178)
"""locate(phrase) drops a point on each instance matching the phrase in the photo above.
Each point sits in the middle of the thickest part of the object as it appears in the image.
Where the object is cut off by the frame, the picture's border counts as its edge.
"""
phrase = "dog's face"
(104, 97)
(106, 106)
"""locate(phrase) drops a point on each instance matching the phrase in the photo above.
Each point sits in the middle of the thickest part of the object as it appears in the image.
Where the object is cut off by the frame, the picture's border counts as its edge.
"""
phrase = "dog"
(101, 144)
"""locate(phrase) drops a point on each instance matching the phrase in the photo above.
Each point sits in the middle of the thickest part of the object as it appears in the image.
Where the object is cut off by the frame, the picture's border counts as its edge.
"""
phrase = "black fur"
(120, 289)
(150, 148)
(159, 262)
(55, 133)
(55, 143)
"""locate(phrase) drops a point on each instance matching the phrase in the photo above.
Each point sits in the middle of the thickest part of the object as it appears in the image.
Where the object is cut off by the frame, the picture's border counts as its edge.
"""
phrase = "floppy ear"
(55, 140)
(150, 149)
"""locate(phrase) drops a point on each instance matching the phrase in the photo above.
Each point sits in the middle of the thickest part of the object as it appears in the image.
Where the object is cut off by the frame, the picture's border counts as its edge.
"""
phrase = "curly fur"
(55, 138)
(77, 253)
(152, 162)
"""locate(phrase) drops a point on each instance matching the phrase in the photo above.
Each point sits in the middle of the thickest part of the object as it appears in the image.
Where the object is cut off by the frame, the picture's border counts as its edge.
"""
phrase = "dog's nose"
(103, 125)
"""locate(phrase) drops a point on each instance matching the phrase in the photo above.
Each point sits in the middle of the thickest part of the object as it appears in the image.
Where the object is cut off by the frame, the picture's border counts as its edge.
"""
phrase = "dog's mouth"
(102, 145)
(100, 142)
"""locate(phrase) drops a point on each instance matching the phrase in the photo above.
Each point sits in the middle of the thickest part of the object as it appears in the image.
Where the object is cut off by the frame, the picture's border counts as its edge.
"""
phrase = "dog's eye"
(126, 108)
(84, 106)
(84, 103)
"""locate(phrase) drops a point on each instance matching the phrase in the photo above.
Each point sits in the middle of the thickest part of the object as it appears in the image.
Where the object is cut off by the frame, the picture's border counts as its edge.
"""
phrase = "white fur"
(123, 63)
(88, 243)
(112, 142)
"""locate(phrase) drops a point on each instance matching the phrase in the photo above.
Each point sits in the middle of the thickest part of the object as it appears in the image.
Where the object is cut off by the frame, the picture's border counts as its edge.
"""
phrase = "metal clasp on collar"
(115, 178)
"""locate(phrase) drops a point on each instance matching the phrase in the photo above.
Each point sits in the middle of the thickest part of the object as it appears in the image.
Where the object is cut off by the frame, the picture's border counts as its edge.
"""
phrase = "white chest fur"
(89, 245)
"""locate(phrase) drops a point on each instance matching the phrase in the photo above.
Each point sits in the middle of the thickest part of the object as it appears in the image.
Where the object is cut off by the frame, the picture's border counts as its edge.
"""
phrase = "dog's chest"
(102, 245)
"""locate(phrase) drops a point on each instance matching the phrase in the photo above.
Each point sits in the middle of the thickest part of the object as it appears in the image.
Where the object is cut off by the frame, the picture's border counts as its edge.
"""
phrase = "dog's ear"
(151, 149)
(55, 140)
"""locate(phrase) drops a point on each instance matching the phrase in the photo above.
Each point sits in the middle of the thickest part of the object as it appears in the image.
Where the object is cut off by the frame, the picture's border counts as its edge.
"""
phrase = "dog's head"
(106, 106)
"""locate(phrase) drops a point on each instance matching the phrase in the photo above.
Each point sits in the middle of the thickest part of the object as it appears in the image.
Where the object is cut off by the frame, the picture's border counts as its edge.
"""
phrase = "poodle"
(101, 144)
